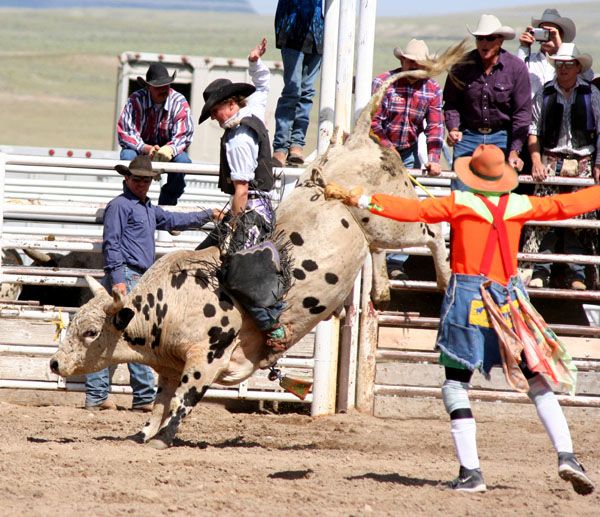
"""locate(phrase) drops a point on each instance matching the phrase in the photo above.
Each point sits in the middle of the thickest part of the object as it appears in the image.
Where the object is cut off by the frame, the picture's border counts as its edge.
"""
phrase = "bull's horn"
(37, 255)
(94, 285)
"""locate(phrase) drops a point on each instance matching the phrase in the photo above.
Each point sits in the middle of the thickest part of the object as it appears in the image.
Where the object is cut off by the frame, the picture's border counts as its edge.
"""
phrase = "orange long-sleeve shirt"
(470, 221)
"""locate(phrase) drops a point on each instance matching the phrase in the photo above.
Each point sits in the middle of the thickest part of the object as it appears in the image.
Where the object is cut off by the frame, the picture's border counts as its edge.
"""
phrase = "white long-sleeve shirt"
(241, 144)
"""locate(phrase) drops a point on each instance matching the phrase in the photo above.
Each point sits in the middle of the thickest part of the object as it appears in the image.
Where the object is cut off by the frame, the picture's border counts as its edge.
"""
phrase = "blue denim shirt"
(129, 226)
(299, 25)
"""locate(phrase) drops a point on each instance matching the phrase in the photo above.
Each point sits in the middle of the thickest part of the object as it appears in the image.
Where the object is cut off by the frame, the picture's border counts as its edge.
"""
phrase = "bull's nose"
(54, 365)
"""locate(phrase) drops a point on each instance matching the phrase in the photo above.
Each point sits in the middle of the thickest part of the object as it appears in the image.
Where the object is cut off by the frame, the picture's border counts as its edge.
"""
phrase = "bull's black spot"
(310, 265)
(193, 396)
(201, 279)
(299, 274)
(209, 310)
(146, 312)
(365, 220)
(197, 375)
(159, 294)
(430, 232)
(424, 230)
(317, 310)
(161, 312)
(137, 303)
(135, 341)
(185, 379)
(224, 321)
(178, 279)
(310, 301)
(345, 223)
(225, 302)
(331, 278)
(219, 340)
(156, 333)
(150, 298)
(296, 239)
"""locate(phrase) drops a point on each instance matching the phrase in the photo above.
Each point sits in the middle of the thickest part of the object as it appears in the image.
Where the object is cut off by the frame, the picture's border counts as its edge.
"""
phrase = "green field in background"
(59, 67)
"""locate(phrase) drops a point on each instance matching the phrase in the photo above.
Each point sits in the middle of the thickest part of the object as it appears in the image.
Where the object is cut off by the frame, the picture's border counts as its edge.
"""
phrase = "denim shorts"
(464, 335)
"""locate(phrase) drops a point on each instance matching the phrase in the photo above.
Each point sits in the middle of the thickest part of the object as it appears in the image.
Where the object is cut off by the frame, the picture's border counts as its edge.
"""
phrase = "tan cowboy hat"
(140, 166)
(489, 24)
(570, 52)
(487, 170)
(416, 49)
(566, 25)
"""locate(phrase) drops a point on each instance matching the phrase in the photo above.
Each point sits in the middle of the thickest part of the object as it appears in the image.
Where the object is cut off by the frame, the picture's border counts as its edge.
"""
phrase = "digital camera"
(540, 35)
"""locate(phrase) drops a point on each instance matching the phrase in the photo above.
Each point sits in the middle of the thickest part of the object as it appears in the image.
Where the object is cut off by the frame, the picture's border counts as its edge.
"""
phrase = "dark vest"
(583, 128)
(263, 174)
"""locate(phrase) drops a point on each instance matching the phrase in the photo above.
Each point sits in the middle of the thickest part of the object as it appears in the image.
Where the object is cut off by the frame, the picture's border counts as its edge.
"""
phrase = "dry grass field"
(59, 67)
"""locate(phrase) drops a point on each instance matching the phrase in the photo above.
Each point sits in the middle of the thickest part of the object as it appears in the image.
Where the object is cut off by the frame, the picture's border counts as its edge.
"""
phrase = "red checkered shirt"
(141, 124)
(404, 109)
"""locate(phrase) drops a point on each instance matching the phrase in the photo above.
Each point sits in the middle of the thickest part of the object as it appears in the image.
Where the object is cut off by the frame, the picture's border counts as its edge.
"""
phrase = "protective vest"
(583, 127)
(263, 174)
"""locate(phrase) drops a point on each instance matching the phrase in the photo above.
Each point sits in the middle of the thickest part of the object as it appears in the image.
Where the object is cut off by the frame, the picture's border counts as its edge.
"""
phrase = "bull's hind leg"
(199, 373)
(437, 246)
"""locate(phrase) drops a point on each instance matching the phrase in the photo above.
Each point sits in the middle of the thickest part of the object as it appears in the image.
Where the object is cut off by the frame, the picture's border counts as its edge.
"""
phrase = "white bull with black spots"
(178, 320)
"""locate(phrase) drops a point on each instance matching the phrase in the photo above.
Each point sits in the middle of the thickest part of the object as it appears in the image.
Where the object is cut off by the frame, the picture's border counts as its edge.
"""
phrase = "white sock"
(464, 434)
(551, 414)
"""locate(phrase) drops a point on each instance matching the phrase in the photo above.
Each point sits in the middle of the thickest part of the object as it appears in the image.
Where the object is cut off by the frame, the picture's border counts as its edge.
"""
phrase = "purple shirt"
(129, 226)
(500, 100)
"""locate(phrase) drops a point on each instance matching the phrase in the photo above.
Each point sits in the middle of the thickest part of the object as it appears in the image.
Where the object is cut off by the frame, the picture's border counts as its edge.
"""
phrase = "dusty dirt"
(63, 460)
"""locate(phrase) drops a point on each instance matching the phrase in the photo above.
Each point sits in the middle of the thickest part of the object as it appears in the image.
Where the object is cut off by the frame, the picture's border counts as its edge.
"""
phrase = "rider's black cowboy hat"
(220, 90)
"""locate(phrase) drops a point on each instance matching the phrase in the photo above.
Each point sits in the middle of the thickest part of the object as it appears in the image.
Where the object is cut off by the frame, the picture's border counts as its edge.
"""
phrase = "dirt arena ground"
(63, 460)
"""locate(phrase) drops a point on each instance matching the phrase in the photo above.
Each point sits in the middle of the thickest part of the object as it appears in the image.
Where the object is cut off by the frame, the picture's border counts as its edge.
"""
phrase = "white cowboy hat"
(416, 49)
(489, 24)
(570, 52)
(566, 25)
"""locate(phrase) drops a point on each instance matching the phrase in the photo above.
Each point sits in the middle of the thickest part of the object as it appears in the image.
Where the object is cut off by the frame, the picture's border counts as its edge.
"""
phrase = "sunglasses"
(491, 37)
(141, 179)
(566, 64)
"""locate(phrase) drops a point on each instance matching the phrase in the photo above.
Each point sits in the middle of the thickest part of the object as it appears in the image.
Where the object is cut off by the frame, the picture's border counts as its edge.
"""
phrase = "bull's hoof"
(138, 437)
(158, 444)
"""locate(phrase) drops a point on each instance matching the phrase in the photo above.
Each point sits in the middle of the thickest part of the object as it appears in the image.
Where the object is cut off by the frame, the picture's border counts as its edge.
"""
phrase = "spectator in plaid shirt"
(157, 121)
(410, 107)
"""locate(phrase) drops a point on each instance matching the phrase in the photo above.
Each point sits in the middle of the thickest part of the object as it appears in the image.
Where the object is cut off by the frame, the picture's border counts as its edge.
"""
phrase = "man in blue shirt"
(128, 248)
(299, 26)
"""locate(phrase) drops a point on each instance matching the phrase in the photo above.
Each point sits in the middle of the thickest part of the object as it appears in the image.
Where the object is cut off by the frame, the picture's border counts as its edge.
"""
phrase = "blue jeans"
(293, 107)
(571, 244)
(471, 344)
(470, 141)
(141, 377)
(172, 190)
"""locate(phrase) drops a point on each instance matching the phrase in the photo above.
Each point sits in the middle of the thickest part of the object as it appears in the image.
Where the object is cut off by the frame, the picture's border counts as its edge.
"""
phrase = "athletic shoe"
(571, 470)
(468, 480)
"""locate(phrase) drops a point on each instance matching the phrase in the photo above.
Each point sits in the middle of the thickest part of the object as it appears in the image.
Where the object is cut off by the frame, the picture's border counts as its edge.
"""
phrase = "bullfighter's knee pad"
(455, 395)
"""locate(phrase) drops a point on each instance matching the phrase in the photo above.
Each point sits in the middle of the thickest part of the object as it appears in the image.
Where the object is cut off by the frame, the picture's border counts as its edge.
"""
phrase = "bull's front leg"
(198, 374)
(162, 405)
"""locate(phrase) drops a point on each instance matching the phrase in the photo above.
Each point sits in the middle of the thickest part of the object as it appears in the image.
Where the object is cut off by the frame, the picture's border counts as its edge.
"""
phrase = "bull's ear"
(122, 318)
(94, 285)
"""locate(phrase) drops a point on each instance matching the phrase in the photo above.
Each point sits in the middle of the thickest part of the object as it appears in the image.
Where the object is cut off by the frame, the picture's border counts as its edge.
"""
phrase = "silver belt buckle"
(485, 130)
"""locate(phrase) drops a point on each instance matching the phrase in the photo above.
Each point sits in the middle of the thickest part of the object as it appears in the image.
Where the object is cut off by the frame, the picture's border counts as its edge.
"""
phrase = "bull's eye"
(90, 333)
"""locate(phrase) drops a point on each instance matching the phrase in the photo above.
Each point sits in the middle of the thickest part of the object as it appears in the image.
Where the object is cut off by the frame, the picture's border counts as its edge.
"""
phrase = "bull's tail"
(431, 68)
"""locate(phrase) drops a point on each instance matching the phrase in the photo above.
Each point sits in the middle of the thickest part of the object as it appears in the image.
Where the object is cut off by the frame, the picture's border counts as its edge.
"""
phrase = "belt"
(485, 130)
(567, 156)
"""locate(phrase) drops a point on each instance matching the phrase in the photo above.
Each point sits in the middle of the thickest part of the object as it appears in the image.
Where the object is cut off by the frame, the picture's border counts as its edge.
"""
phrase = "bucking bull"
(180, 321)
